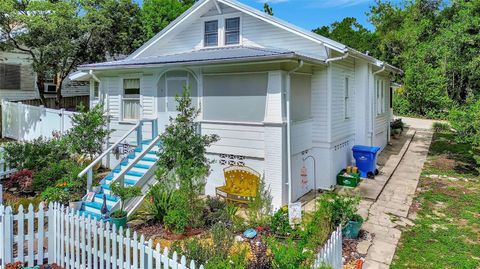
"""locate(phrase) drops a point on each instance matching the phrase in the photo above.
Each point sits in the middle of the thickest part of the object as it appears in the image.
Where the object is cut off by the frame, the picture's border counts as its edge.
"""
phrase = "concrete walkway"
(387, 215)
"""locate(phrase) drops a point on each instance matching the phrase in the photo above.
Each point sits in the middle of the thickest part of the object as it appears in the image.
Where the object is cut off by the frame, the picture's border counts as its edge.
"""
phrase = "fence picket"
(128, 249)
(142, 252)
(40, 231)
(8, 228)
(158, 257)
(114, 246)
(101, 251)
(135, 251)
(21, 234)
(76, 240)
(150, 254)
(95, 245)
(107, 246)
(31, 235)
(2, 239)
(165, 258)
(89, 246)
(63, 234)
(175, 260)
(121, 243)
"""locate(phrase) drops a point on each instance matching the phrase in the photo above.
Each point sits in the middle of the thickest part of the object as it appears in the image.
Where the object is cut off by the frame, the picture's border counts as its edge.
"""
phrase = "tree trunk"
(58, 99)
(41, 87)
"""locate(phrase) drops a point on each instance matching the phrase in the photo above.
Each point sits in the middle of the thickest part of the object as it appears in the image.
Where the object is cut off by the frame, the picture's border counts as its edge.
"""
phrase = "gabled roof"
(250, 11)
(211, 55)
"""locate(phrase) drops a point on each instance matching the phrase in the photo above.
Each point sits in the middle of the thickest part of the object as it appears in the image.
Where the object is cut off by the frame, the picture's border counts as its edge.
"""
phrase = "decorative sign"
(304, 177)
(295, 213)
(90, 196)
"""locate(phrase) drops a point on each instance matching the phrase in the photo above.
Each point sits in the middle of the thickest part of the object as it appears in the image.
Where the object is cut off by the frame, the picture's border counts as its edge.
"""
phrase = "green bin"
(348, 181)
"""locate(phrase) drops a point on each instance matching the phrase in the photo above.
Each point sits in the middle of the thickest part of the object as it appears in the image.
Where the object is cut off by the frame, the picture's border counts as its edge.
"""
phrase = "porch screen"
(235, 97)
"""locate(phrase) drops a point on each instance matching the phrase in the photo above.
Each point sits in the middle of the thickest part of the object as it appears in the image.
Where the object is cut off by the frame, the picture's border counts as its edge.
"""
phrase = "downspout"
(343, 57)
(107, 109)
(374, 103)
(289, 128)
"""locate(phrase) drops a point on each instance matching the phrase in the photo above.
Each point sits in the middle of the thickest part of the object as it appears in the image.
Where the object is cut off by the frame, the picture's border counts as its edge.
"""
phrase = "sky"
(311, 14)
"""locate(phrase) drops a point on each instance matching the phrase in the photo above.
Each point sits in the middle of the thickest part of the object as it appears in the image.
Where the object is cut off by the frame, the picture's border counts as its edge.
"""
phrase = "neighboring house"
(273, 92)
(17, 79)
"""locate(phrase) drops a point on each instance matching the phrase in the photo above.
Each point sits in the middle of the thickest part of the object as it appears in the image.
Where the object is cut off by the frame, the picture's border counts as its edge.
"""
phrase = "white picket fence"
(25, 122)
(331, 253)
(60, 235)
(4, 169)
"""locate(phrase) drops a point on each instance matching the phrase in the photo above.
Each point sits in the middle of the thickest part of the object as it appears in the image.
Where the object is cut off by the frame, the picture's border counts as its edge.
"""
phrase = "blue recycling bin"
(366, 160)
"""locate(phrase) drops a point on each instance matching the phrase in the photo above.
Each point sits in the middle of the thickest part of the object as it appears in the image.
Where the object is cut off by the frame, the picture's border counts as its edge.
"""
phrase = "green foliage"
(183, 161)
(36, 154)
(180, 215)
(351, 33)
(66, 190)
(157, 14)
(61, 171)
(466, 122)
(259, 211)
(59, 35)
(125, 194)
(342, 207)
(441, 127)
(267, 9)
(289, 254)
(88, 132)
(280, 224)
(157, 203)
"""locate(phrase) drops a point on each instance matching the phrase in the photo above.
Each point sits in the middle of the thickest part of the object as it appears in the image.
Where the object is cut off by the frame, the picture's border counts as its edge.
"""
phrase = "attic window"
(232, 31)
(211, 34)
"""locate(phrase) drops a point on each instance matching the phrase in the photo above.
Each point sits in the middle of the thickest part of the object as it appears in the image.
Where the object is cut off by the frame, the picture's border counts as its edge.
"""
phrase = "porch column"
(275, 133)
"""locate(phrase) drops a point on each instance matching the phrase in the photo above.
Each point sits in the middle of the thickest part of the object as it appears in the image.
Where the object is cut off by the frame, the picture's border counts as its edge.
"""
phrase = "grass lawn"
(447, 229)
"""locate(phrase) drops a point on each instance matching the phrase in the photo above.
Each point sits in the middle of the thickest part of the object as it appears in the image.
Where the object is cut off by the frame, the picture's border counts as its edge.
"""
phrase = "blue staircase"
(136, 168)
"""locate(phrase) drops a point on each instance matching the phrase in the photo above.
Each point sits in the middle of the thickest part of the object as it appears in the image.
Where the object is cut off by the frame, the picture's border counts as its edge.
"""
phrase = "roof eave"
(280, 57)
(356, 53)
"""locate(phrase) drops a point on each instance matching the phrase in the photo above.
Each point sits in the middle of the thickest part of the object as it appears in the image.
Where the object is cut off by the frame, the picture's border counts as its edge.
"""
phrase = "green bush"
(159, 201)
(48, 176)
(289, 254)
(465, 121)
(341, 207)
(280, 224)
(35, 155)
(179, 217)
(441, 127)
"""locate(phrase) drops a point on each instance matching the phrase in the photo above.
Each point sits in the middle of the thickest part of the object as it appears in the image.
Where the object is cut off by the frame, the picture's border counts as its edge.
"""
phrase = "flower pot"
(119, 222)
(352, 229)
(76, 205)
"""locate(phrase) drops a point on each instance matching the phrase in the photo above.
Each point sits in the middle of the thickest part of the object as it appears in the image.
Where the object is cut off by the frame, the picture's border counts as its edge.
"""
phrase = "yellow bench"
(241, 184)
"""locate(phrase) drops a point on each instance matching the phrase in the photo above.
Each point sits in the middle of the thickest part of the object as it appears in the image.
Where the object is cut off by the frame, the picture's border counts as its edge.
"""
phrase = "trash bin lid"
(365, 149)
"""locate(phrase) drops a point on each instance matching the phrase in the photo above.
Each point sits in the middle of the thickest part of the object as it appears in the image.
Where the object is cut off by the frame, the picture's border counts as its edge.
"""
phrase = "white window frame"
(221, 29)
(205, 33)
(123, 98)
(97, 97)
(239, 31)
(346, 95)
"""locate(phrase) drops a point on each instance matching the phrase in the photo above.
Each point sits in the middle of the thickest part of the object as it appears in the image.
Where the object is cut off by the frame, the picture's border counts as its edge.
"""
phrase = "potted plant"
(352, 226)
(75, 201)
(119, 217)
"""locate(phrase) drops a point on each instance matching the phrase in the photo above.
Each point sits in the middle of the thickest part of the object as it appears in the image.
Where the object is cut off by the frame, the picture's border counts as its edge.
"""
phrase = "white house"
(273, 92)
(17, 79)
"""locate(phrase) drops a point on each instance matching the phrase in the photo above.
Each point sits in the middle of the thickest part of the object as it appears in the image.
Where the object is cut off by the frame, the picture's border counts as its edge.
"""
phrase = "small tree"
(125, 194)
(182, 162)
(89, 131)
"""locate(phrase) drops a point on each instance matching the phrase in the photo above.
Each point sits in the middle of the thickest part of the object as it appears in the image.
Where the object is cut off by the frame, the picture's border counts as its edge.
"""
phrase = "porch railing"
(137, 130)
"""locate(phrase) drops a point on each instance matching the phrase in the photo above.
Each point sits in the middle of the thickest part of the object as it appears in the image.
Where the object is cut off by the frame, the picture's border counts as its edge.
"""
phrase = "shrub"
(280, 224)
(178, 217)
(36, 154)
(289, 255)
(125, 194)
(89, 131)
(21, 179)
(441, 127)
(466, 122)
(48, 176)
(341, 207)
(159, 201)
(260, 209)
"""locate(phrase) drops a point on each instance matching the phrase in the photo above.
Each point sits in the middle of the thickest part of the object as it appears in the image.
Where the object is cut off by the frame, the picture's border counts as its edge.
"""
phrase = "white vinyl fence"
(24, 122)
(331, 253)
(58, 235)
(4, 169)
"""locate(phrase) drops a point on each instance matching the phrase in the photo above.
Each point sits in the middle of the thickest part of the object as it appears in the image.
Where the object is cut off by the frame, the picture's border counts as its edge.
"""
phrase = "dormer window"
(211, 33)
(232, 31)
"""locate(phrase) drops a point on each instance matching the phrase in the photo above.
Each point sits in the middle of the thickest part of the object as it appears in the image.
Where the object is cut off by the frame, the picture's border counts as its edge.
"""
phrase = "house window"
(382, 95)
(96, 89)
(377, 89)
(50, 82)
(211, 34)
(347, 97)
(10, 76)
(232, 31)
(131, 99)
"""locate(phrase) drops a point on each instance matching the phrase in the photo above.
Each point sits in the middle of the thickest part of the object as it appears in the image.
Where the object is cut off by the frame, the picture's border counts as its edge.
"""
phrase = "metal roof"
(203, 55)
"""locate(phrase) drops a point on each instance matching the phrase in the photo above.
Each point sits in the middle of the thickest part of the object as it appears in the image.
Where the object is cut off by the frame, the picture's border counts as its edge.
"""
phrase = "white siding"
(244, 140)
(320, 128)
(254, 32)
(259, 33)
(342, 127)
(382, 121)
(148, 93)
(114, 92)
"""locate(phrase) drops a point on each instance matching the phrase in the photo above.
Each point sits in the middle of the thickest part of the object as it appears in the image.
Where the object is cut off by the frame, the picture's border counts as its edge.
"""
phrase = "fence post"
(139, 135)
(89, 179)
(62, 121)
(1, 201)
(2, 235)
(2, 102)
(8, 233)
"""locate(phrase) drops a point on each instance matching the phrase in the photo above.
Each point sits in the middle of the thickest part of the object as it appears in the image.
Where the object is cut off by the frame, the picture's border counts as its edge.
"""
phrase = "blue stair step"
(128, 182)
(95, 205)
(91, 214)
(135, 174)
(145, 159)
(142, 166)
(149, 152)
(107, 196)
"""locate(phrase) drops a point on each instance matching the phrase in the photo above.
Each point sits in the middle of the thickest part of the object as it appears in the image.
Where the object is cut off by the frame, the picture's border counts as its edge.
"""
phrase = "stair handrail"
(89, 169)
(137, 158)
